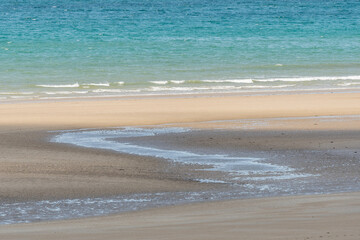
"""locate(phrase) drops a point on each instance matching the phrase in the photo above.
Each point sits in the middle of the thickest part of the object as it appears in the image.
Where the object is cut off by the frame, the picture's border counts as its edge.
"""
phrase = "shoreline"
(183, 95)
(330, 216)
(34, 169)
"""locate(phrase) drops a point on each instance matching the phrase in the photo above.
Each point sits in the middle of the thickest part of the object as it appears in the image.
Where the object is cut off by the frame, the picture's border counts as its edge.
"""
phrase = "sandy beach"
(32, 168)
(306, 217)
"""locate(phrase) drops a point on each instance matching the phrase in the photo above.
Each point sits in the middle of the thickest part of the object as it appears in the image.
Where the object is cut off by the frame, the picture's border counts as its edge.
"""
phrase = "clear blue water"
(113, 47)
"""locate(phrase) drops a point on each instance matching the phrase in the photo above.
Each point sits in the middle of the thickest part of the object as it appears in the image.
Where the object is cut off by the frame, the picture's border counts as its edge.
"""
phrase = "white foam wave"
(262, 87)
(58, 92)
(65, 92)
(177, 81)
(16, 93)
(80, 92)
(121, 83)
(168, 82)
(98, 84)
(229, 81)
(75, 85)
(348, 84)
(21, 97)
(115, 91)
(166, 89)
(159, 82)
(185, 89)
(307, 79)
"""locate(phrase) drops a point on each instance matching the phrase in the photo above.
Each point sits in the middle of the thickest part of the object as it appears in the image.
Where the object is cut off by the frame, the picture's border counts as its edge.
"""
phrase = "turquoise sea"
(51, 49)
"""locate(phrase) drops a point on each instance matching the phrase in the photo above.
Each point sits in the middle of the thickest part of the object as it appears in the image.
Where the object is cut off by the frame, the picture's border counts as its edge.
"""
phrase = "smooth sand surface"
(32, 168)
(114, 113)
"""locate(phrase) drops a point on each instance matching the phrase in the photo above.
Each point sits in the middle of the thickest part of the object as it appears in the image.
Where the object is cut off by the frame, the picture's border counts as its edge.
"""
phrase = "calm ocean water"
(113, 47)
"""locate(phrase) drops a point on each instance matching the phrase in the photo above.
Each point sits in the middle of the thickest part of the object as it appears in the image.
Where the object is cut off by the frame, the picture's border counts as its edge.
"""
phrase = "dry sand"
(113, 112)
(32, 168)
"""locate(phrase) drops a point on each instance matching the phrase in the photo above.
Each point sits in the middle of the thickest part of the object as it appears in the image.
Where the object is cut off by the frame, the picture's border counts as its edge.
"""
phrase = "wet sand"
(34, 169)
(302, 217)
